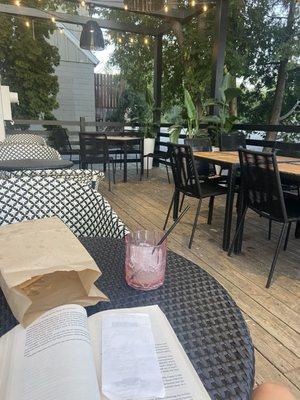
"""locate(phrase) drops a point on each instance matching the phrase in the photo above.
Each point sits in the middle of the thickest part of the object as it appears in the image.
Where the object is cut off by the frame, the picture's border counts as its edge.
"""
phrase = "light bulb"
(146, 41)
(205, 8)
(120, 40)
(193, 3)
(126, 7)
(17, 3)
(53, 19)
(131, 40)
(27, 24)
(82, 3)
(61, 31)
(166, 8)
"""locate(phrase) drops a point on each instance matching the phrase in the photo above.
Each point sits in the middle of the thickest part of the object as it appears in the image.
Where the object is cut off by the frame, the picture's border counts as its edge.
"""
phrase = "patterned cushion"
(79, 175)
(81, 208)
(21, 151)
(25, 138)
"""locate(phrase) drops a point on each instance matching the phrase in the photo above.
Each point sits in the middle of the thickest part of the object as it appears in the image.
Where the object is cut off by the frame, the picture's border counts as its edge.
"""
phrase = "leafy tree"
(257, 42)
(27, 61)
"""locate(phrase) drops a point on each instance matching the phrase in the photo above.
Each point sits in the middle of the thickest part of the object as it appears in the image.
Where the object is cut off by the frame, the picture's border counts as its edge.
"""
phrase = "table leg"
(125, 162)
(229, 207)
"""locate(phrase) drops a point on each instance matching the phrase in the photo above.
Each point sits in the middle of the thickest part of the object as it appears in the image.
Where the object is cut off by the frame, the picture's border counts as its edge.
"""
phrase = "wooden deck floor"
(272, 314)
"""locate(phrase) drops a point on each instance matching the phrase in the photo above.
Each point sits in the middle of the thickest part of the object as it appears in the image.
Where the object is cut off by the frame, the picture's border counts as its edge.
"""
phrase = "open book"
(58, 357)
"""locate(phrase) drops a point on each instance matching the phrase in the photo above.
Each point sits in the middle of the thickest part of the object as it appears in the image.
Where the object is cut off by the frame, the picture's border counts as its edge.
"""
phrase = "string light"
(131, 40)
(205, 8)
(126, 7)
(61, 30)
(17, 3)
(27, 24)
(193, 3)
(82, 3)
(146, 40)
(120, 40)
(166, 8)
(53, 19)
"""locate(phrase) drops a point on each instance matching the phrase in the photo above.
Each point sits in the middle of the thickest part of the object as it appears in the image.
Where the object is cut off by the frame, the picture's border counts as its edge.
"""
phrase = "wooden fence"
(108, 89)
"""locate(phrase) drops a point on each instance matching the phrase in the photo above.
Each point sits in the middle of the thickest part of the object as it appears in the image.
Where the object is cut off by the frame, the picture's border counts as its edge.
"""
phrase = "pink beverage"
(145, 263)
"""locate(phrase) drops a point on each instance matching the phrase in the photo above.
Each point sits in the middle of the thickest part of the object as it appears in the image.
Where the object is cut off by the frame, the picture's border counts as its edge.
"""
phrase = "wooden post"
(219, 48)
(157, 91)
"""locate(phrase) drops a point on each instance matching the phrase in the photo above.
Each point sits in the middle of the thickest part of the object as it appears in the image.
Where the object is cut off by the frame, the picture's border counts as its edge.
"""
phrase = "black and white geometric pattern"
(80, 207)
(85, 176)
(21, 151)
(25, 138)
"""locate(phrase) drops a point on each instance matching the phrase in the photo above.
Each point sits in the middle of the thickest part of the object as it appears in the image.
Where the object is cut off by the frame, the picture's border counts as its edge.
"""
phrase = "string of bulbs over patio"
(121, 38)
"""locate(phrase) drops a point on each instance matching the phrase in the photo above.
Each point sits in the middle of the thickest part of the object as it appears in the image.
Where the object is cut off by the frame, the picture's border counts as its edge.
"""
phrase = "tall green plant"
(223, 121)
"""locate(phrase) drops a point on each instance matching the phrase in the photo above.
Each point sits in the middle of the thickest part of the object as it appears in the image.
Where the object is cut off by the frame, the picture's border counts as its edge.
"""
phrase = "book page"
(180, 378)
(52, 359)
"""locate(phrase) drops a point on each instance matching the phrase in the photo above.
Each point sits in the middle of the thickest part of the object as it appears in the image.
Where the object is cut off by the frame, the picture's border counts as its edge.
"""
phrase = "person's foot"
(272, 391)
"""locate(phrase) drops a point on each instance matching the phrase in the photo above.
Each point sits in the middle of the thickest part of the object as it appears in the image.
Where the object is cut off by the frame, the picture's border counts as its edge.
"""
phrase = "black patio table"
(32, 164)
(207, 321)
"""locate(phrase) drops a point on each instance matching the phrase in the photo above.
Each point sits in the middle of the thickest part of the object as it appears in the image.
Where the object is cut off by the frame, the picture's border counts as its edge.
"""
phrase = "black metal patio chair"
(94, 150)
(187, 183)
(262, 192)
(61, 142)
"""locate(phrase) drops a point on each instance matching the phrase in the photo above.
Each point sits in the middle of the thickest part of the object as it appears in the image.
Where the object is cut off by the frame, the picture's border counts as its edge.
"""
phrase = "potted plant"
(148, 129)
(193, 121)
(222, 122)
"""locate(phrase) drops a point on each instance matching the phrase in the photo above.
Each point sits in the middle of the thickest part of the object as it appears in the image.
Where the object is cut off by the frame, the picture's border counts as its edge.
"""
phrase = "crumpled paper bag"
(42, 266)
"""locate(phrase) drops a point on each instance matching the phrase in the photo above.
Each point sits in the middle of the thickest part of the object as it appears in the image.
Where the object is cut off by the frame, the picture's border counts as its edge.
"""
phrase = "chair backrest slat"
(93, 147)
(184, 169)
(204, 168)
(261, 183)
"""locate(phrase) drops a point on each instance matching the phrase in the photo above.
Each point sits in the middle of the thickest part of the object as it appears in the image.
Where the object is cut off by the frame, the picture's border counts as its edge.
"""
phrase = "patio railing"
(43, 127)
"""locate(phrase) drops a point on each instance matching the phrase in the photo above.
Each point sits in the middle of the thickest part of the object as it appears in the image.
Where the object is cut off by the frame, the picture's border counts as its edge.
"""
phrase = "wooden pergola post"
(219, 47)
(158, 69)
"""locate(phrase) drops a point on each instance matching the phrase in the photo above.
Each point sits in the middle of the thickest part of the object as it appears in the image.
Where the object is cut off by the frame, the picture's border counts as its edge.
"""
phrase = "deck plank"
(272, 315)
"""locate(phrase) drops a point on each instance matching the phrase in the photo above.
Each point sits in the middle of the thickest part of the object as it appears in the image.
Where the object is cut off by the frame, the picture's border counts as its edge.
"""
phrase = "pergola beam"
(180, 14)
(76, 19)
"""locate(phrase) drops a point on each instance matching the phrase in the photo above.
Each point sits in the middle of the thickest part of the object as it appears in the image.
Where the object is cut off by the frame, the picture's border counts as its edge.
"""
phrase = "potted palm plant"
(193, 120)
(223, 121)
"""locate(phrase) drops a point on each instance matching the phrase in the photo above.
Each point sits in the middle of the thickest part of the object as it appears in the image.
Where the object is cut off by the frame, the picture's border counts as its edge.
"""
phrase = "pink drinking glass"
(145, 263)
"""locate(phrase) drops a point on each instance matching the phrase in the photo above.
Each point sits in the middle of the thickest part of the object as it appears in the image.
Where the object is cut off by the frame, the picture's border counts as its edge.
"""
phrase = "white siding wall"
(75, 74)
(76, 95)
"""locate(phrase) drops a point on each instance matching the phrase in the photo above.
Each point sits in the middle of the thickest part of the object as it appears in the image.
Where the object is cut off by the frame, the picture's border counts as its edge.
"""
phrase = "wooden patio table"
(287, 166)
(123, 141)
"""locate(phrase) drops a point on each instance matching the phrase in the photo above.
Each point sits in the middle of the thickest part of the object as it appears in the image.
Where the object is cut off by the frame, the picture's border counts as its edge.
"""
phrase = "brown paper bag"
(43, 265)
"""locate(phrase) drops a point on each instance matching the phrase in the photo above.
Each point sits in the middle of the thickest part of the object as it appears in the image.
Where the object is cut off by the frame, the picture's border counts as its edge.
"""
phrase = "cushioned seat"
(79, 206)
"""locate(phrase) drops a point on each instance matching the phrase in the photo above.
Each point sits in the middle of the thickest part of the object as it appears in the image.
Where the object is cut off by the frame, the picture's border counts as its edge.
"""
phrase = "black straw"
(171, 227)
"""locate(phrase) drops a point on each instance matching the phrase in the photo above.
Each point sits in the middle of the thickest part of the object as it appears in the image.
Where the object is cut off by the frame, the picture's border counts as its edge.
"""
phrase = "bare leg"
(272, 391)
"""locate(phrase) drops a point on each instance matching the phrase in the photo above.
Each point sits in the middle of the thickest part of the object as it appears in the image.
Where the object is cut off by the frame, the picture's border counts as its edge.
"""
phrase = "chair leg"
(169, 211)
(167, 169)
(238, 231)
(181, 204)
(195, 223)
(210, 210)
(114, 172)
(276, 255)
(109, 185)
(287, 236)
(270, 229)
